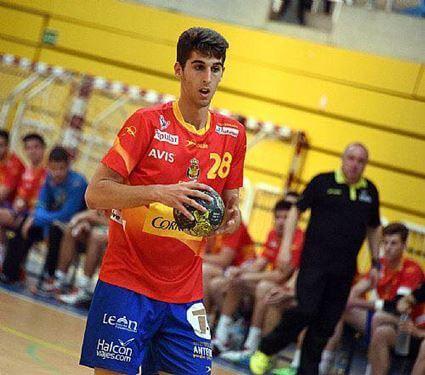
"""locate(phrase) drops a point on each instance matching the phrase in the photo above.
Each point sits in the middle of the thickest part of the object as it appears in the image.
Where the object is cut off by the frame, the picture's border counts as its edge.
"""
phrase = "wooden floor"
(39, 339)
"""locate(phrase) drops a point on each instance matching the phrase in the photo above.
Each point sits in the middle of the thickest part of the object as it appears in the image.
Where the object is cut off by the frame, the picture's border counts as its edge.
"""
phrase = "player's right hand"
(404, 305)
(177, 195)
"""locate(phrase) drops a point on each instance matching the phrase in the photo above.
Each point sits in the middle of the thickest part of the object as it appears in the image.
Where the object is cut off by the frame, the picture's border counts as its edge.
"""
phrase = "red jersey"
(146, 251)
(408, 275)
(11, 170)
(240, 241)
(418, 315)
(272, 246)
(30, 185)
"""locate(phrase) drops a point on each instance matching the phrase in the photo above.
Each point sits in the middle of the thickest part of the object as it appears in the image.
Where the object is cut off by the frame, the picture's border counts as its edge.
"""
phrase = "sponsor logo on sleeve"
(166, 137)
(227, 130)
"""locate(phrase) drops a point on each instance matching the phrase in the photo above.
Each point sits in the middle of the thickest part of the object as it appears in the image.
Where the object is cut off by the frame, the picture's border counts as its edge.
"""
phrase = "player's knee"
(262, 288)
(383, 335)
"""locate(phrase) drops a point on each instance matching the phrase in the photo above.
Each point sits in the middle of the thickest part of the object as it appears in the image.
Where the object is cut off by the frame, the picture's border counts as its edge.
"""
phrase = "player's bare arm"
(107, 190)
(356, 298)
(232, 218)
(284, 256)
(374, 236)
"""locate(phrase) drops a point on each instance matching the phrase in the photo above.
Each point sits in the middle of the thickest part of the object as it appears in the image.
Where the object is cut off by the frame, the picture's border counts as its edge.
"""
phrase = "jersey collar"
(190, 127)
(361, 184)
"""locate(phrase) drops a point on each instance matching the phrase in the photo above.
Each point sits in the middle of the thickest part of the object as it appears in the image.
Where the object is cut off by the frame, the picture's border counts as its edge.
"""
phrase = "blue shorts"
(126, 330)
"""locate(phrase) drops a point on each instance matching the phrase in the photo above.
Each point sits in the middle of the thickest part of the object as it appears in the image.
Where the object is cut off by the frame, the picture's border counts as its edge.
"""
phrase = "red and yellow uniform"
(11, 170)
(146, 251)
(408, 275)
(272, 246)
(241, 242)
(30, 184)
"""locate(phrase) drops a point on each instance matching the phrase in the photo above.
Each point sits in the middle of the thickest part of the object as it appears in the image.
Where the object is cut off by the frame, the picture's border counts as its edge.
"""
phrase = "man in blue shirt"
(61, 196)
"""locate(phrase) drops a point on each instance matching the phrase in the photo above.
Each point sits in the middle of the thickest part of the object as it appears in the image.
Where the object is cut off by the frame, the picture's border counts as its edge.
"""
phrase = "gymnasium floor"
(39, 338)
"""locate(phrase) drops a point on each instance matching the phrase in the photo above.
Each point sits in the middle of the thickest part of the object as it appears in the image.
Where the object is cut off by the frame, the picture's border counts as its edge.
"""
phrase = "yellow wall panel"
(394, 188)
(421, 87)
(331, 134)
(154, 56)
(394, 215)
(112, 72)
(350, 102)
(12, 48)
(315, 94)
(20, 25)
(270, 49)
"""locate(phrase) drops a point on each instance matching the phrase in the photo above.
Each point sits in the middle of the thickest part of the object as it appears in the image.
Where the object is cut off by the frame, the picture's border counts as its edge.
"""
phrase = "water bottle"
(402, 344)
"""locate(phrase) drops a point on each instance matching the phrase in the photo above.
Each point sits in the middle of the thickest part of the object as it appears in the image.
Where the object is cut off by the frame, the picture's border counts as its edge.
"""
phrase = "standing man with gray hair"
(344, 210)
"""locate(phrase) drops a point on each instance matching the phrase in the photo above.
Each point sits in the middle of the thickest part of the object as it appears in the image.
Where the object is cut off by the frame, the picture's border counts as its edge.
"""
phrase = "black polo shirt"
(340, 215)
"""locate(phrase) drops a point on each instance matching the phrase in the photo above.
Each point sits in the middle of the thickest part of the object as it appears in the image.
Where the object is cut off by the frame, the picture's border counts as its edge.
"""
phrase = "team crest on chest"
(193, 169)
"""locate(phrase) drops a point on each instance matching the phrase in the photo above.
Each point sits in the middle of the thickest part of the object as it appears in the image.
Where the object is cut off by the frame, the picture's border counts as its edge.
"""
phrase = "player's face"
(34, 151)
(3, 148)
(280, 217)
(58, 170)
(354, 162)
(199, 78)
(393, 247)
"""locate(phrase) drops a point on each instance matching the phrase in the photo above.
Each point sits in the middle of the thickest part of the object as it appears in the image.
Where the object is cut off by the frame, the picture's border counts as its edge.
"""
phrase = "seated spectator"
(87, 231)
(11, 170)
(243, 281)
(61, 196)
(270, 299)
(221, 252)
(385, 330)
(28, 187)
(396, 274)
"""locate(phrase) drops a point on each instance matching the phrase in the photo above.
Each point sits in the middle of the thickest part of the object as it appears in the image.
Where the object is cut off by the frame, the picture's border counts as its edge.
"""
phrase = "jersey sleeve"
(268, 253)
(413, 276)
(235, 177)
(233, 240)
(375, 217)
(14, 173)
(309, 195)
(130, 145)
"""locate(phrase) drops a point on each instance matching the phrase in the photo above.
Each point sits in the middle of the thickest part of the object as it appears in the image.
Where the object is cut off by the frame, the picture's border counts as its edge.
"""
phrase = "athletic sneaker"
(45, 288)
(260, 363)
(78, 297)
(285, 371)
(237, 356)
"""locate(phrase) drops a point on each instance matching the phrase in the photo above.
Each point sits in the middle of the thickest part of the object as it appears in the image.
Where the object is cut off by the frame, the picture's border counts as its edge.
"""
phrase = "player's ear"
(178, 70)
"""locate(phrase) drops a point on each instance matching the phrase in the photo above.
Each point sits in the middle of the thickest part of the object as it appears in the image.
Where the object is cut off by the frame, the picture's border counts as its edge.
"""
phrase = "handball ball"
(205, 223)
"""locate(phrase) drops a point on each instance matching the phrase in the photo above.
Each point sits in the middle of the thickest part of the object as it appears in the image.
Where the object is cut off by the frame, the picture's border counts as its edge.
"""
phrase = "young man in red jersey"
(253, 280)
(11, 170)
(28, 187)
(30, 182)
(147, 306)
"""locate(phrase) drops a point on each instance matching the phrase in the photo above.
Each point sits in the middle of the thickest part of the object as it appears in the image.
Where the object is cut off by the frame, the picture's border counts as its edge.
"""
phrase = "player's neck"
(395, 264)
(193, 115)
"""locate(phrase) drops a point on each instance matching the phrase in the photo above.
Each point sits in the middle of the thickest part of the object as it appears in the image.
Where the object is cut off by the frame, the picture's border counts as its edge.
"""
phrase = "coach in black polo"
(344, 211)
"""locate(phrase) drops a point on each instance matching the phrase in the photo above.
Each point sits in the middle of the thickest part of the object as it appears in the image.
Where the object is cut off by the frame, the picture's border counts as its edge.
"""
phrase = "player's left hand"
(232, 218)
